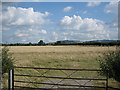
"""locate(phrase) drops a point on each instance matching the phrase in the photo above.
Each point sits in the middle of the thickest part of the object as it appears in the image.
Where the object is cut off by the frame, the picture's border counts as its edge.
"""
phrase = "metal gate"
(50, 78)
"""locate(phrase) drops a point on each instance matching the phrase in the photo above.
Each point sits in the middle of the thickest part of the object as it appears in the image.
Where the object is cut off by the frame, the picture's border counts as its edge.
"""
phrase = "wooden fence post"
(11, 80)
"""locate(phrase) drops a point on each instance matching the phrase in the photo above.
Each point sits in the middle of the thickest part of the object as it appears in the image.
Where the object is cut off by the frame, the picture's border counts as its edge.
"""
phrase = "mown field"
(78, 57)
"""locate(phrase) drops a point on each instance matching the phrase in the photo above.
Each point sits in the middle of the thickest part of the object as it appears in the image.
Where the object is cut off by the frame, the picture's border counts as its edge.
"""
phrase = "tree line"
(42, 43)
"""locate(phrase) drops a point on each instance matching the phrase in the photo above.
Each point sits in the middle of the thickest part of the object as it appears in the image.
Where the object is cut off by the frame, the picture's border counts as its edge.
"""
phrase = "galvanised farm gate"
(50, 78)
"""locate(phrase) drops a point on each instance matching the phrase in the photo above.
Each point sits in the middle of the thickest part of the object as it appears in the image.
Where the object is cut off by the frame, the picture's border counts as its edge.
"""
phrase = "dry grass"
(54, 56)
(59, 57)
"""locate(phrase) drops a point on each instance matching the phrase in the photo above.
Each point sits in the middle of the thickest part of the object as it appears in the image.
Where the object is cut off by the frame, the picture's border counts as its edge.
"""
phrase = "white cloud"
(83, 36)
(23, 16)
(30, 34)
(65, 38)
(5, 28)
(66, 9)
(23, 40)
(93, 4)
(25, 23)
(112, 7)
(55, 36)
(77, 23)
(66, 20)
(88, 28)
(22, 33)
(85, 12)
(30, 29)
(64, 33)
(44, 31)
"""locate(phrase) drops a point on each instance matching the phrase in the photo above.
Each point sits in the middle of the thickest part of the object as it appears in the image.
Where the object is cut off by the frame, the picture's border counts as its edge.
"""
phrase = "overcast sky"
(49, 21)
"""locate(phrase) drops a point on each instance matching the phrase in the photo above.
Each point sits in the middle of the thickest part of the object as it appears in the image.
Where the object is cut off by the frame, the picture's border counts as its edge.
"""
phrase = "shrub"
(7, 60)
(110, 64)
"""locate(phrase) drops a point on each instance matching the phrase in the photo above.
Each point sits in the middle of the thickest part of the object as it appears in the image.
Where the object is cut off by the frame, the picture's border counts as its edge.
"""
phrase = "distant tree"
(41, 42)
(58, 42)
(30, 43)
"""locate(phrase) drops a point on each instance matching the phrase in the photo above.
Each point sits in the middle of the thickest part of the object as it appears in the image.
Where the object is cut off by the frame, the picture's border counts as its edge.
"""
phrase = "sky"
(25, 22)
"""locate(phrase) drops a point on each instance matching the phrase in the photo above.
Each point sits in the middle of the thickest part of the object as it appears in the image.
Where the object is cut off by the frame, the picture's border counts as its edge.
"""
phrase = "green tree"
(41, 42)
(30, 44)
(110, 64)
(58, 42)
(7, 60)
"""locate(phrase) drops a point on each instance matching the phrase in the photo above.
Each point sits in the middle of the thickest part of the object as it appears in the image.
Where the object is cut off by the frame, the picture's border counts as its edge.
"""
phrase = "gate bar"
(60, 77)
(58, 68)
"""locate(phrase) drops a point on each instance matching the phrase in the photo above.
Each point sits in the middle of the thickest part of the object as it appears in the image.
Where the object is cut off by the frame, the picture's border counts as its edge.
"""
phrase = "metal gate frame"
(12, 75)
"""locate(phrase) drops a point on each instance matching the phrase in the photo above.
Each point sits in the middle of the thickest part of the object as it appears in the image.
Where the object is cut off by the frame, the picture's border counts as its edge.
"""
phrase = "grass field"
(81, 57)
(57, 56)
